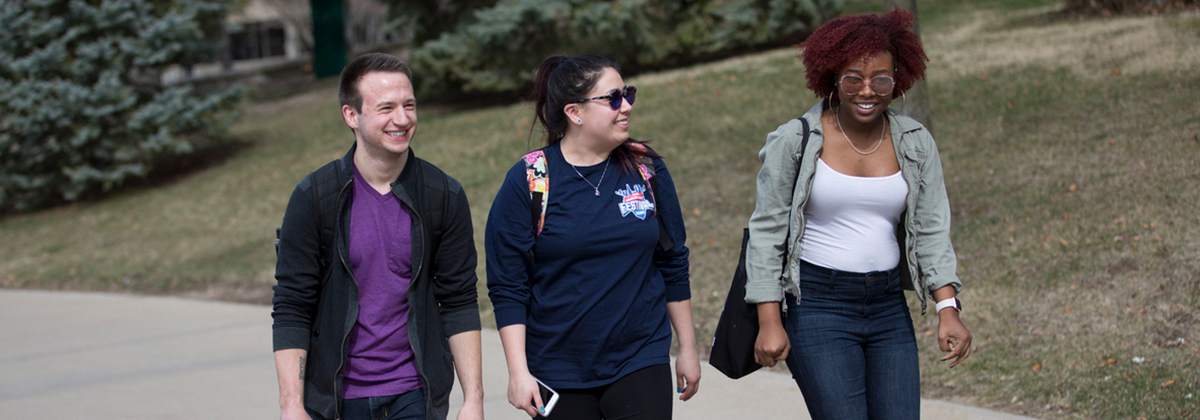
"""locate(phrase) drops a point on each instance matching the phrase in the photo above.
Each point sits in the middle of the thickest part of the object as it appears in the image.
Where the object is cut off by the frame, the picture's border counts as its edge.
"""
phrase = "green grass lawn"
(1070, 149)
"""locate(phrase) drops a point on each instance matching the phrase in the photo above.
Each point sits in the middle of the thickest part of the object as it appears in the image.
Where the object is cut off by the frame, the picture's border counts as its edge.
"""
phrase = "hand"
(687, 373)
(953, 337)
(294, 413)
(772, 344)
(471, 410)
(523, 394)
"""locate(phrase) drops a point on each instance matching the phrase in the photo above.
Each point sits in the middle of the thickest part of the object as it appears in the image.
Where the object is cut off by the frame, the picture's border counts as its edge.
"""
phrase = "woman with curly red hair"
(851, 210)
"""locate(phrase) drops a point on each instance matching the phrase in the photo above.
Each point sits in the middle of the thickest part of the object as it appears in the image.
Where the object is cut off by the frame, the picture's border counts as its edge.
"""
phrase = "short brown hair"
(348, 93)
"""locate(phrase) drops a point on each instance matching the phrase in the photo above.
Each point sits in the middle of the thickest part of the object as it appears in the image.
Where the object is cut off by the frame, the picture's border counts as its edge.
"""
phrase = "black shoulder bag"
(732, 350)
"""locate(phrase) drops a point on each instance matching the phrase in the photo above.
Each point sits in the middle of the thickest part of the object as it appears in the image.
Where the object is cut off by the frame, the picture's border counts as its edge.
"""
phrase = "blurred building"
(265, 29)
(269, 44)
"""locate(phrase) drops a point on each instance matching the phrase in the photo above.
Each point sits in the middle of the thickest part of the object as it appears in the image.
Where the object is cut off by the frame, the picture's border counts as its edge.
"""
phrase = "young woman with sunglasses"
(587, 304)
(839, 231)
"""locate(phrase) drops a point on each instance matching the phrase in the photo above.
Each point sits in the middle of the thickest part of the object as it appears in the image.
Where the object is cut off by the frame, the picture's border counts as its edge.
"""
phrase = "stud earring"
(579, 120)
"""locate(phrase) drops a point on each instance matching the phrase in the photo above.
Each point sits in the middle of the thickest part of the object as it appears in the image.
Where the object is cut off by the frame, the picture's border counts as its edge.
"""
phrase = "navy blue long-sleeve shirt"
(594, 304)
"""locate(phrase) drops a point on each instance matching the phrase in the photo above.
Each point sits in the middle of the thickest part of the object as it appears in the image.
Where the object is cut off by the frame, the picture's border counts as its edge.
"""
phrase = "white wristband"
(948, 303)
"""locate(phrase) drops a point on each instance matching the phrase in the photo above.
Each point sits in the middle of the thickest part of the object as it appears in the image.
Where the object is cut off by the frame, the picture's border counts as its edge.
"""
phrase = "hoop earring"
(904, 98)
(831, 97)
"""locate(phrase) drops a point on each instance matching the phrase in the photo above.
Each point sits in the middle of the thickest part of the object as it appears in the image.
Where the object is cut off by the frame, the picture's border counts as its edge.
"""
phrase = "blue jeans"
(407, 406)
(854, 352)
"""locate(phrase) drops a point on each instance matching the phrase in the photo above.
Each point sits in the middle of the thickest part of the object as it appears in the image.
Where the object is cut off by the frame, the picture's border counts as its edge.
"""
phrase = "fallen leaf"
(709, 240)
(1110, 361)
(930, 333)
(1037, 367)
(1010, 105)
(1168, 383)
(696, 211)
(1063, 242)
(1015, 399)
(1116, 72)
(1066, 310)
(1066, 216)
(1073, 187)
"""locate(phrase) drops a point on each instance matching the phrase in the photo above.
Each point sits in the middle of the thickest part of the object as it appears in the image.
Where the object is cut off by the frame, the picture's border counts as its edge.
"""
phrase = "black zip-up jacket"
(316, 298)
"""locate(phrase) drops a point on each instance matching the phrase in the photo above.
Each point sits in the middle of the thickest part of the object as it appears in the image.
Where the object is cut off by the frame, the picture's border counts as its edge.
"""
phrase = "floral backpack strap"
(538, 177)
(645, 166)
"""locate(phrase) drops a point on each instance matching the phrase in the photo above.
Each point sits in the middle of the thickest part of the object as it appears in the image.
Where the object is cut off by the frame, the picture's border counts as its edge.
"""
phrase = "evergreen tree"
(496, 51)
(82, 106)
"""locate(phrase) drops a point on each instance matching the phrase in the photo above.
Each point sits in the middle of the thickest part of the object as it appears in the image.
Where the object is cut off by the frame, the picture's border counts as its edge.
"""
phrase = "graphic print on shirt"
(634, 201)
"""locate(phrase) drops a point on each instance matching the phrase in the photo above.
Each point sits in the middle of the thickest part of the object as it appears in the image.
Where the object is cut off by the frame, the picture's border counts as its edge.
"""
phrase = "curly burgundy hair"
(847, 38)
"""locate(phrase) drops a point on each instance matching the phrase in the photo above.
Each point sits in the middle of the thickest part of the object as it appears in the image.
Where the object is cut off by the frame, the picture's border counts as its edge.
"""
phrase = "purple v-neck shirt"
(380, 360)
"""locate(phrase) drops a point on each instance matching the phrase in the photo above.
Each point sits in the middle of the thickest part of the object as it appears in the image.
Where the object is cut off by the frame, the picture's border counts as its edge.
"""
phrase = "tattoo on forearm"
(302, 368)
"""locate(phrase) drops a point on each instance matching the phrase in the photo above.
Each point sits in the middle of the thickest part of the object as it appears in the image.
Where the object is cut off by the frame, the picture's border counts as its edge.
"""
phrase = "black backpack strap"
(435, 199)
(325, 189)
(804, 139)
(323, 185)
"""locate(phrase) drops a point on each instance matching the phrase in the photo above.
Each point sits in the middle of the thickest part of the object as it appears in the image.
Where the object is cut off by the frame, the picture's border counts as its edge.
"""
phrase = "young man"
(375, 307)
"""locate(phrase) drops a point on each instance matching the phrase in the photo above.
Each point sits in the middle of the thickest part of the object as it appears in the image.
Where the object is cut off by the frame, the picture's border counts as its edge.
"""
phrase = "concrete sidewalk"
(68, 355)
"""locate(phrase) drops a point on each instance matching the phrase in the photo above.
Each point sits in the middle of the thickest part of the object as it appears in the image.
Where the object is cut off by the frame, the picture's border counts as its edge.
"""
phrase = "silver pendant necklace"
(595, 186)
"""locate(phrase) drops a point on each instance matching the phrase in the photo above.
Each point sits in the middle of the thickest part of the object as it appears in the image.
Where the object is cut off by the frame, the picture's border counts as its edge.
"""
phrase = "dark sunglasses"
(615, 97)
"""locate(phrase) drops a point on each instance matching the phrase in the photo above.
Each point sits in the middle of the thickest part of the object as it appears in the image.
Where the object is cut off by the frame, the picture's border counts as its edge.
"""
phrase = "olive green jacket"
(772, 255)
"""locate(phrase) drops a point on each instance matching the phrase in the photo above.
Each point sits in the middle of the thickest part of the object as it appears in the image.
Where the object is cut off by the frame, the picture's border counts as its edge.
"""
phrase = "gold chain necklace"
(837, 114)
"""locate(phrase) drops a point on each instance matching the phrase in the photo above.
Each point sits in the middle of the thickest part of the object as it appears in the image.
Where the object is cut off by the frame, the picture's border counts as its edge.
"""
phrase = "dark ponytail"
(562, 80)
(547, 111)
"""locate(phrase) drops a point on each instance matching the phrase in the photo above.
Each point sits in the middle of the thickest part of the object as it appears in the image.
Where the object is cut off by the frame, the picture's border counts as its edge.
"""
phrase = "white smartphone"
(549, 396)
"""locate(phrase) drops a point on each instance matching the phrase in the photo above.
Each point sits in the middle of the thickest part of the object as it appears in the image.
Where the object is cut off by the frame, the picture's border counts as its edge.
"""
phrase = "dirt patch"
(1090, 49)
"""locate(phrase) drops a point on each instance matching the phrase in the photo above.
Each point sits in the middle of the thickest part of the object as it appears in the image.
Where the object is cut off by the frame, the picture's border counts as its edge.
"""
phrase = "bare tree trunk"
(915, 102)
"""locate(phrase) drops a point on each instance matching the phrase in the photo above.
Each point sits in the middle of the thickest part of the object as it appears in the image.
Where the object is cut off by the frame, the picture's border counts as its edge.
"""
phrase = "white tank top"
(850, 221)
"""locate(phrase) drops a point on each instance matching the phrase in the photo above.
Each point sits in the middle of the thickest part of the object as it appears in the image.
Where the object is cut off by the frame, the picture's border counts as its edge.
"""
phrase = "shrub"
(497, 52)
(82, 107)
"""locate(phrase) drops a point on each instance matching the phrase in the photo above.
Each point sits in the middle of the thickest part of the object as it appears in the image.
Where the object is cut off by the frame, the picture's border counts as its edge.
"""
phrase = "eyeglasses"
(615, 97)
(881, 85)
